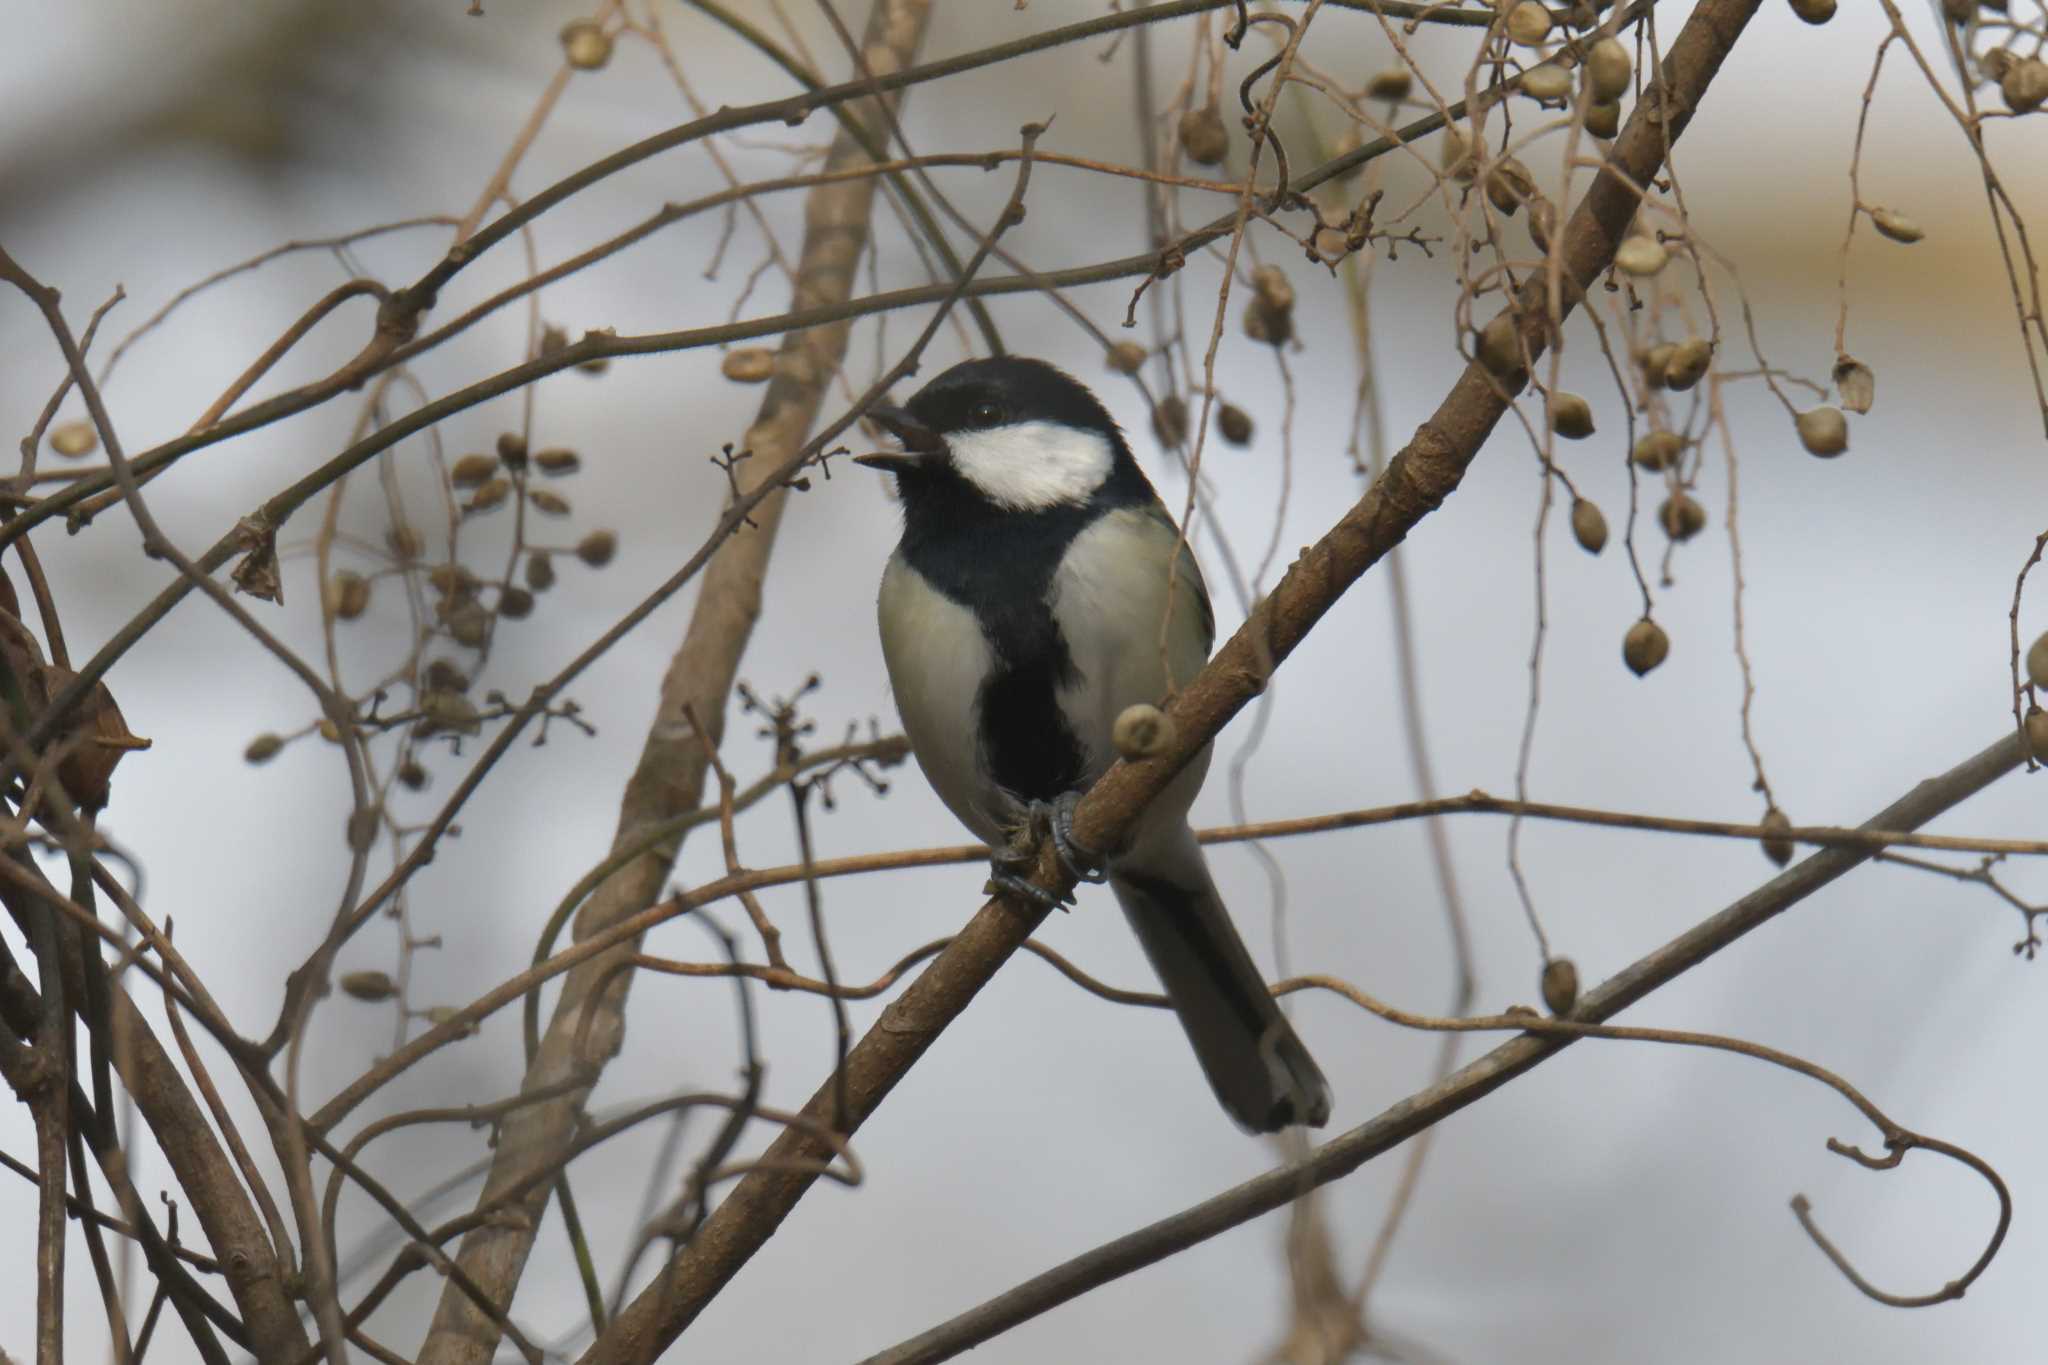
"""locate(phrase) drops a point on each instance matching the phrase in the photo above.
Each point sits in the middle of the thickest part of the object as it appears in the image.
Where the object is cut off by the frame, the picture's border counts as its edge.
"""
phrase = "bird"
(1021, 613)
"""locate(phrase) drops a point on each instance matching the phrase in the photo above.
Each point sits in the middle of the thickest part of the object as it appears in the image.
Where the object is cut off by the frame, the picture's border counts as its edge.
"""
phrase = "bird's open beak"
(921, 445)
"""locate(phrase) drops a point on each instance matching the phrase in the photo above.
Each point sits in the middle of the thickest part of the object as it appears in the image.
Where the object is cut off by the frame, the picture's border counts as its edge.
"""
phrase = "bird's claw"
(1081, 862)
(1000, 880)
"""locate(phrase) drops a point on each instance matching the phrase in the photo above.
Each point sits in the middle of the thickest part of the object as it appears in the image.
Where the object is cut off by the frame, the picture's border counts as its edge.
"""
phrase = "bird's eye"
(985, 415)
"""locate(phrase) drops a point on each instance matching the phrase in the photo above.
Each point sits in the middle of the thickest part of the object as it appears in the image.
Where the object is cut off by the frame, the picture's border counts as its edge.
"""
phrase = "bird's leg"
(1082, 863)
(1010, 865)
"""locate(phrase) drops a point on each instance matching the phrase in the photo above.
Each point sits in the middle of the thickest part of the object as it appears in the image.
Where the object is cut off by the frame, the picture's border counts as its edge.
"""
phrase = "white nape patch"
(1029, 466)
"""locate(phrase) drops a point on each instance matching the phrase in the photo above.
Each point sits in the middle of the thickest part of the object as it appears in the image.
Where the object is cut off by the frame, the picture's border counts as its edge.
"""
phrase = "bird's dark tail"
(1256, 1065)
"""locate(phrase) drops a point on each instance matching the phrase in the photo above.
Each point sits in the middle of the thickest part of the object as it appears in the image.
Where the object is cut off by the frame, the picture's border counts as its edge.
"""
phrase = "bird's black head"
(1016, 433)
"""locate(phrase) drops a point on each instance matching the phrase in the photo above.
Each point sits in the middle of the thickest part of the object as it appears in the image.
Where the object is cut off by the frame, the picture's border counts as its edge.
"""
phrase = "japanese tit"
(1020, 614)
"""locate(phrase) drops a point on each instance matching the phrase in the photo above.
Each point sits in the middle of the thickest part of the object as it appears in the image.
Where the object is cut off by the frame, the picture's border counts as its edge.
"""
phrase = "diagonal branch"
(1415, 483)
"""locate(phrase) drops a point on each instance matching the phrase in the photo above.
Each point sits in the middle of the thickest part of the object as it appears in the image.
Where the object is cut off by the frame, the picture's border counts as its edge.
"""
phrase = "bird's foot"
(1001, 879)
(1081, 862)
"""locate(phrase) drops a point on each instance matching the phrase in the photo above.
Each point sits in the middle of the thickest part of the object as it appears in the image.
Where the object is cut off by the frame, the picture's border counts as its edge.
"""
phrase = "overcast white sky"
(1621, 1203)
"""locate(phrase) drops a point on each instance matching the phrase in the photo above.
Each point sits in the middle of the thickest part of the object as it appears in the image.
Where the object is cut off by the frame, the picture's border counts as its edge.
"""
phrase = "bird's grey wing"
(937, 657)
(1258, 1067)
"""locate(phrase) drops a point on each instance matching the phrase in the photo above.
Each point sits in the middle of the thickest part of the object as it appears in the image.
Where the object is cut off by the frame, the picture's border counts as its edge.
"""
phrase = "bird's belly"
(938, 658)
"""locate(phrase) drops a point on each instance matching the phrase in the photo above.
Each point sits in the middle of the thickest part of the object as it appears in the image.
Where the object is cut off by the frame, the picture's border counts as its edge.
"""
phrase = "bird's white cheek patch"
(1032, 465)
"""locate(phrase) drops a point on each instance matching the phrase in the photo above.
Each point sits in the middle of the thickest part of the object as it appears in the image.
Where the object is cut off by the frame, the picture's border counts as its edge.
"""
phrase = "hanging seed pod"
(515, 604)
(1528, 23)
(411, 775)
(328, 730)
(443, 676)
(1823, 431)
(1560, 985)
(1203, 136)
(1170, 420)
(1547, 83)
(1897, 226)
(1542, 221)
(1142, 731)
(449, 712)
(1589, 527)
(1641, 256)
(361, 829)
(540, 571)
(1126, 357)
(586, 46)
(472, 470)
(597, 548)
(452, 581)
(552, 503)
(1814, 11)
(1273, 326)
(512, 451)
(470, 624)
(1273, 288)
(1392, 84)
(2037, 663)
(2037, 733)
(1645, 646)
(557, 463)
(1509, 185)
(1856, 384)
(491, 493)
(348, 595)
(263, 748)
(2025, 85)
(1234, 424)
(1681, 516)
(748, 365)
(1458, 162)
(1777, 847)
(1608, 70)
(1500, 349)
(1603, 118)
(370, 986)
(1658, 451)
(73, 439)
(1570, 416)
(1688, 362)
(1656, 364)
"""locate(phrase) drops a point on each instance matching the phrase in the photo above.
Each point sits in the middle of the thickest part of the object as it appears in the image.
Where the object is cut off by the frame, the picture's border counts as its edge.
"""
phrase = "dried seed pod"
(1641, 256)
(443, 676)
(515, 604)
(1509, 185)
(1603, 118)
(540, 571)
(2025, 85)
(452, 581)
(328, 730)
(411, 775)
(1203, 136)
(1657, 451)
(586, 46)
(1458, 162)
(1273, 326)
(1392, 84)
(597, 548)
(512, 450)
(1777, 847)
(1688, 363)
(1896, 226)
(405, 542)
(1273, 288)
(361, 829)
(450, 712)
(1589, 527)
(1170, 420)
(75, 438)
(1823, 431)
(557, 462)
(1608, 70)
(1548, 82)
(1645, 646)
(263, 748)
(489, 494)
(1856, 384)
(472, 470)
(1570, 416)
(1656, 364)
(1500, 348)
(1993, 64)
(348, 595)
(1681, 516)
(2037, 663)
(470, 624)
(1528, 23)
(2037, 733)
(1560, 985)
(370, 986)
(545, 500)
(1814, 11)
(748, 365)
(1126, 357)
(1142, 731)
(1234, 424)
